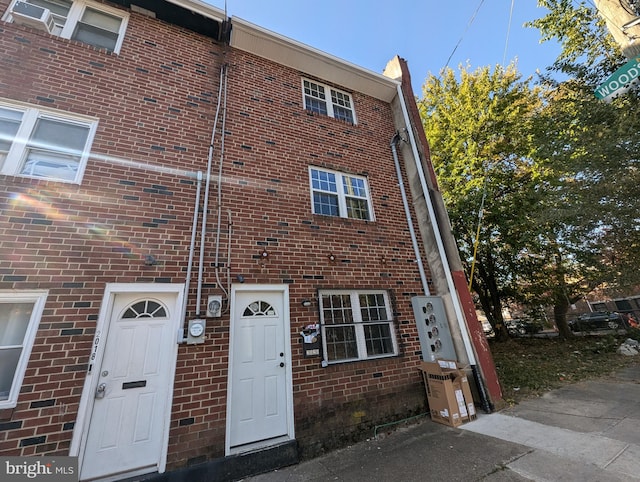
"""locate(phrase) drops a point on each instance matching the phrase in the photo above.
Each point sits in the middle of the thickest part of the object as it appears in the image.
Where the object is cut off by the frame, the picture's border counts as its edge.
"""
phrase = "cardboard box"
(448, 393)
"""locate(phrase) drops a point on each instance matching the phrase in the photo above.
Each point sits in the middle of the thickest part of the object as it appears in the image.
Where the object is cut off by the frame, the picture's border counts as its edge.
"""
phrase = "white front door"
(132, 386)
(259, 410)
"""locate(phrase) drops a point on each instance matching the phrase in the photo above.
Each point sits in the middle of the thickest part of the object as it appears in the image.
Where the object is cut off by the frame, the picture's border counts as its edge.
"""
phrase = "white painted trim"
(328, 100)
(284, 290)
(359, 325)
(342, 196)
(19, 147)
(75, 14)
(85, 408)
(38, 298)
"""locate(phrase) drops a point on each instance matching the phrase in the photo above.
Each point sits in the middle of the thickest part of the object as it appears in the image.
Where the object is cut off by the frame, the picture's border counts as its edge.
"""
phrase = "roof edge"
(201, 8)
(251, 38)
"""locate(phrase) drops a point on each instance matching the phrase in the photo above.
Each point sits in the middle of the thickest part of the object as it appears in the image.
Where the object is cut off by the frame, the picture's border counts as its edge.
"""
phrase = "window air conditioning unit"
(32, 15)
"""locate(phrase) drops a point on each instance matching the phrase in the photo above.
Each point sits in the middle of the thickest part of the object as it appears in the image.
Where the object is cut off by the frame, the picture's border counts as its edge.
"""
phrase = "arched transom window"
(145, 309)
(259, 308)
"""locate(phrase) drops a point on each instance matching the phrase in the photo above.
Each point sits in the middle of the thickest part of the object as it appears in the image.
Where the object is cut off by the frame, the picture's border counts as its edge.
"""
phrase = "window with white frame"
(43, 144)
(338, 194)
(356, 325)
(83, 20)
(326, 100)
(20, 313)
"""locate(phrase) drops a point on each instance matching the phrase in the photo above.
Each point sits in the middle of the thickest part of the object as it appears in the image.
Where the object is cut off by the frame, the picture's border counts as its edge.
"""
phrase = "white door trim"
(284, 291)
(85, 408)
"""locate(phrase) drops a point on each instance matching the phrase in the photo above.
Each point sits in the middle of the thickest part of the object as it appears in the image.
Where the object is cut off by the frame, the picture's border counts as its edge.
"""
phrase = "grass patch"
(529, 367)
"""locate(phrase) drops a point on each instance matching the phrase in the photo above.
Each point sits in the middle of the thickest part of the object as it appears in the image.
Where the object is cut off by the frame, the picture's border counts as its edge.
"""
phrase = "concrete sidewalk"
(588, 431)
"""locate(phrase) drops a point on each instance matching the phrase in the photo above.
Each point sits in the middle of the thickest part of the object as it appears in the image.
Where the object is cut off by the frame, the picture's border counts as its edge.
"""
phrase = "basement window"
(326, 100)
(44, 144)
(20, 313)
(337, 194)
(83, 20)
(356, 325)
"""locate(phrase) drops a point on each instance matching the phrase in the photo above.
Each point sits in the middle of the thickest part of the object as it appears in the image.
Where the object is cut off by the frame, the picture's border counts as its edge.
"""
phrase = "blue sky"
(368, 33)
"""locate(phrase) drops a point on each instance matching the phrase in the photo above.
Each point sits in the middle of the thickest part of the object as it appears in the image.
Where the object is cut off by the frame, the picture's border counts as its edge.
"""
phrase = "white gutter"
(436, 230)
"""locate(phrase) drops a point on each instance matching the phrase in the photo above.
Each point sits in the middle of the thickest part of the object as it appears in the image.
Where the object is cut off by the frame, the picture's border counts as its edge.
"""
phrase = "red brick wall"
(270, 143)
(156, 102)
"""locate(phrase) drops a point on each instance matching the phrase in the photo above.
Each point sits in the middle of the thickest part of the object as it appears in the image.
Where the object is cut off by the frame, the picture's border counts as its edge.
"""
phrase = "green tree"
(558, 171)
(479, 130)
(593, 150)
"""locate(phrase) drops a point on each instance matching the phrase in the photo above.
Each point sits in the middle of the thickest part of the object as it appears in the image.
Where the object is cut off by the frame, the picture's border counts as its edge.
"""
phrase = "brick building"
(211, 242)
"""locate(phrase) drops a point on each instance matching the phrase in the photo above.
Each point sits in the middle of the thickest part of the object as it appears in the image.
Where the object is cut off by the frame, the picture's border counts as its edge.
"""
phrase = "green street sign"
(620, 81)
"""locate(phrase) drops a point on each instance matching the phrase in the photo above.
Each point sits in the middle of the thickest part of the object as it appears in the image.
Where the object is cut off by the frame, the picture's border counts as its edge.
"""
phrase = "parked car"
(600, 320)
(520, 327)
(487, 328)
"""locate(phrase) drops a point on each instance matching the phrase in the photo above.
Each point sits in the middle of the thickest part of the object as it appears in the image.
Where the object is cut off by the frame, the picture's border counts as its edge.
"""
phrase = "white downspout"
(443, 256)
(407, 212)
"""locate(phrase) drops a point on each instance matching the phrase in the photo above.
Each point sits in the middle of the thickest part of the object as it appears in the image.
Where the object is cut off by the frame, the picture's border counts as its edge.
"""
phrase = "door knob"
(101, 390)
(281, 364)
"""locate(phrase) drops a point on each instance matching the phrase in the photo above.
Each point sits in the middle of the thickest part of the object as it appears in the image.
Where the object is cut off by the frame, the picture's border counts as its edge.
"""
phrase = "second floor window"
(92, 23)
(325, 100)
(43, 144)
(339, 194)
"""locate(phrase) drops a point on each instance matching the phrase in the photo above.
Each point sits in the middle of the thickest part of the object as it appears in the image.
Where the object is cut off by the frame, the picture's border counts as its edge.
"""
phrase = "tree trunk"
(487, 289)
(560, 308)
(561, 301)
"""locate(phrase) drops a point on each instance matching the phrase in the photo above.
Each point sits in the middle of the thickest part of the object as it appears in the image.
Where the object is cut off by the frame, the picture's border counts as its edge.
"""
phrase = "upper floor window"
(326, 100)
(82, 20)
(43, 144)
(20, 313)
(338, 194)
(356, 325)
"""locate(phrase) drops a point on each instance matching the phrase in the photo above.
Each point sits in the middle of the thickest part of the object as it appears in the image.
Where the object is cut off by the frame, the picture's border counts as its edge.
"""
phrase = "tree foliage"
(593, 151)
(558, 170)
(479, 131)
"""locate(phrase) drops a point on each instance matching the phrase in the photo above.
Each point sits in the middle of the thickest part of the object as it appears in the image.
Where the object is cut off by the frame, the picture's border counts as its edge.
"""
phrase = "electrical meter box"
(196, 331)
(433, 328)
(214, 306)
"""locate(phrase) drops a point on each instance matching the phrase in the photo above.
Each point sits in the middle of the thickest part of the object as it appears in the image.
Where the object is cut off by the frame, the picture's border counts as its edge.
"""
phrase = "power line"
(463, 34)
(506, 43)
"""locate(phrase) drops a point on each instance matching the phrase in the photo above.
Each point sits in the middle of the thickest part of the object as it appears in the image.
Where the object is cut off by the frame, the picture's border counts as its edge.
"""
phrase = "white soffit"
(269, 45)
(201, 8)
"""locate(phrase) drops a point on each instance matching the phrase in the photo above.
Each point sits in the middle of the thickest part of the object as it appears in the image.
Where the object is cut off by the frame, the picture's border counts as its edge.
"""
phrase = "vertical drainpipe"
(407, 212)
(436, 230)
(476, 348)
(464, 332)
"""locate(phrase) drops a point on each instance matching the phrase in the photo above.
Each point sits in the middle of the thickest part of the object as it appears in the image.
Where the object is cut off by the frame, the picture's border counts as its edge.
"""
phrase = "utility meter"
(195, 331)
(214, 306)
(433, 328)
